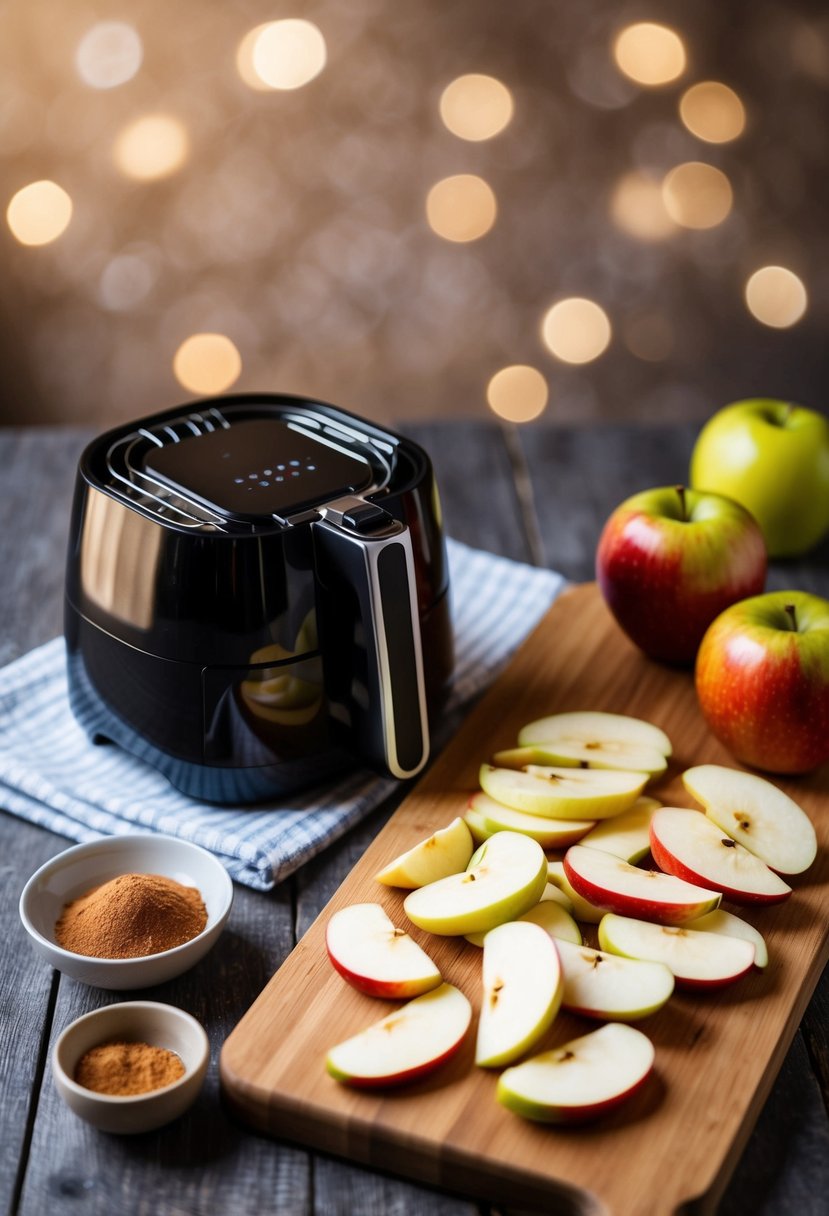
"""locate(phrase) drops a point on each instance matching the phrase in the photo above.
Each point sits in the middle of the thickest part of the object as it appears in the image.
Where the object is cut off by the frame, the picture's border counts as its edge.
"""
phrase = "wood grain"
(673, 1147)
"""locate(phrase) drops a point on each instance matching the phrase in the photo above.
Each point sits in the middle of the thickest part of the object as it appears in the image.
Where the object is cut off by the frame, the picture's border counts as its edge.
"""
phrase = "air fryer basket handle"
(374, 676)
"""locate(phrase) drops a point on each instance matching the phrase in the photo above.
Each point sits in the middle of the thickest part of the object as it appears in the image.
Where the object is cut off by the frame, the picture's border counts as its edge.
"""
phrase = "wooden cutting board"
(669, 1149)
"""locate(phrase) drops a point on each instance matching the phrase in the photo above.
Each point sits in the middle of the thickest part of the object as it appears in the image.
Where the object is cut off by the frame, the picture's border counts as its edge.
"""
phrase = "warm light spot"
(476, 107)
(151, 147)
(576, 330)
(776, 296)
(712, 112)
(517, 393)
(109, 54)
(461, 208)
(207, 363)
(697, 195)
(649, 337)
(637, 207)
(283, 54)
(39, 213)
(650, 54)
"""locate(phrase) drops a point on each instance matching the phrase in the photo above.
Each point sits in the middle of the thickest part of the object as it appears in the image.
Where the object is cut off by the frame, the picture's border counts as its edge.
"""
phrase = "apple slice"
(374, 956)
(687, 844)
(551, 913)
(697, 959)
(445, 852)
(563, 793)
(550, 833)
(626, 835)
(583, 910)
(601, 985)
(581, 1079)
(476, 823)
(405, 1044)
(504, 878)
(522, 987)
(615, 885)
(599, 740)
(729, 925)
(760, 816)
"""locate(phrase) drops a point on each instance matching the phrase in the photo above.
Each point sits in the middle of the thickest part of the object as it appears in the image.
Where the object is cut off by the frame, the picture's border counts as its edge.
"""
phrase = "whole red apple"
(762, 678)
(670, 560)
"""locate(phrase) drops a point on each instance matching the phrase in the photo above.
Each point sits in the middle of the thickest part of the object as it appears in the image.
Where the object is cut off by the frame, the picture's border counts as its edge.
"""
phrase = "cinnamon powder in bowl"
(127, 911)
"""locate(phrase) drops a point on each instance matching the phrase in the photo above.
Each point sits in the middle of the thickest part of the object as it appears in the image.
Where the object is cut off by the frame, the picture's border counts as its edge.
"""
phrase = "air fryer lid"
(260, 467)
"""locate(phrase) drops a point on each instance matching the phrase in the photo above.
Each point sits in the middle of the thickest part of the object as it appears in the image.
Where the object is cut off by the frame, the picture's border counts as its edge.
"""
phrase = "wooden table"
(538, 495)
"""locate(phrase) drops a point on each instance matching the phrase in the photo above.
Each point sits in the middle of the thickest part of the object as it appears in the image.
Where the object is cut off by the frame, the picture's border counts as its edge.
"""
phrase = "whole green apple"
(773, 457)
(762, 678)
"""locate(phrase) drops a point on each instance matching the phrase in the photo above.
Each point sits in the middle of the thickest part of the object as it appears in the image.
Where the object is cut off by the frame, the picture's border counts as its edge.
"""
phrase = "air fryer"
(257, 596)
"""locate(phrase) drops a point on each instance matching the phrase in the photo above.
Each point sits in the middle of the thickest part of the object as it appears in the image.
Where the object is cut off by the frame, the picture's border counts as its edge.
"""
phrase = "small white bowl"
(79, 869)
(135, 1021)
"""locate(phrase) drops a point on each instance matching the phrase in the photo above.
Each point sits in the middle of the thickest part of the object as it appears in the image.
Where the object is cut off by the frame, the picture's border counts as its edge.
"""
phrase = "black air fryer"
(257, 595)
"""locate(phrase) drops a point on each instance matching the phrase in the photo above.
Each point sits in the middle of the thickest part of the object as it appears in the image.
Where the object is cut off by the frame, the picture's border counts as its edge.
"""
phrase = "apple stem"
(792, 615)
(683, 506)
(787, 413)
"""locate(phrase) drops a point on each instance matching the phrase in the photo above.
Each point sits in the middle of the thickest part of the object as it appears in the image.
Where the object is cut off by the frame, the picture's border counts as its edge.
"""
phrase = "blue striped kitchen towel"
(53, 776)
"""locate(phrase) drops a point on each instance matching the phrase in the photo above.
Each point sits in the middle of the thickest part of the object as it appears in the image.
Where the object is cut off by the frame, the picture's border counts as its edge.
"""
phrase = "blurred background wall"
(579, 211)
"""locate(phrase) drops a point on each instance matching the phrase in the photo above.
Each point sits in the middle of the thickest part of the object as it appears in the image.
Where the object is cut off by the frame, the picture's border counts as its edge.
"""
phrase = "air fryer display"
(259, 466)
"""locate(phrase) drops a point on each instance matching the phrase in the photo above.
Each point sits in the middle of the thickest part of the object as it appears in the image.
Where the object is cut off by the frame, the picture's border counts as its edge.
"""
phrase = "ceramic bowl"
(135, 1021)
(85, 866)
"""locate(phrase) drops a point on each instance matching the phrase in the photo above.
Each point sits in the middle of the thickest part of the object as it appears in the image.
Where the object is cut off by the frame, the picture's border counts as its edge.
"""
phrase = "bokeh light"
(109, 54)
(649, 53)
(283, 55)
(207, 363)
(152, 147)
(697, 195)
(576, 330)
(713, 112)
(517, 393)
(461, 208)
(476, 107)
(39, 213)
(125, 281)
(638, 208)
(776, 296)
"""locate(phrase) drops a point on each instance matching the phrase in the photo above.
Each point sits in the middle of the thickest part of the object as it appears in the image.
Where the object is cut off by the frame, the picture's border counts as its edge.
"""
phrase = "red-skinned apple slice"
(405, 1044)
(698, 960)
(720, 921)
(552, 913)
(607, 986)
(583, 910)
(581, 1079)
(598, 740)
(563, 793)
(626, 835)
(688, 845)
(375, 957)
(522, 987)
(756, 813)
(613, 884)
(550, 833)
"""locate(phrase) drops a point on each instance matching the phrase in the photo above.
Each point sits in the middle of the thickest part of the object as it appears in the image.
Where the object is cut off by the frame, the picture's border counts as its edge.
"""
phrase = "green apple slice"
(405, 1044)
(579, 1080)
(697, 959)
(551, 913)
(563, 793)
(505, 877)
(445, 852)
(720, 921)
(602, 985)
(599, 740)
(626, 835)
(583, 910)
(550, 833)
(755, 813)
(522, 987)
(476, 823)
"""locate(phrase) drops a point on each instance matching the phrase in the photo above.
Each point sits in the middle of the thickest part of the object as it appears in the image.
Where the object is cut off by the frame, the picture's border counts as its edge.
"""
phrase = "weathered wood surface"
(539, 495)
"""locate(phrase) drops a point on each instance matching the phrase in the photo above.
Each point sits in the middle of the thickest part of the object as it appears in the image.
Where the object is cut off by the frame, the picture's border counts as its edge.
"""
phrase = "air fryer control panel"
(259, 467)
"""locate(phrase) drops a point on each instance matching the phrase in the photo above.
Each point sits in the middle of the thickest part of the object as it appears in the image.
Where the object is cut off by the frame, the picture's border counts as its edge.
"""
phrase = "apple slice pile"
(574, 783)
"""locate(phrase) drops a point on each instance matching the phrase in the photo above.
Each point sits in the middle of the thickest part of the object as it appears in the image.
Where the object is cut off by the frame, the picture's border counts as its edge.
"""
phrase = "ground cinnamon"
(123, 1069)
(130, 916)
